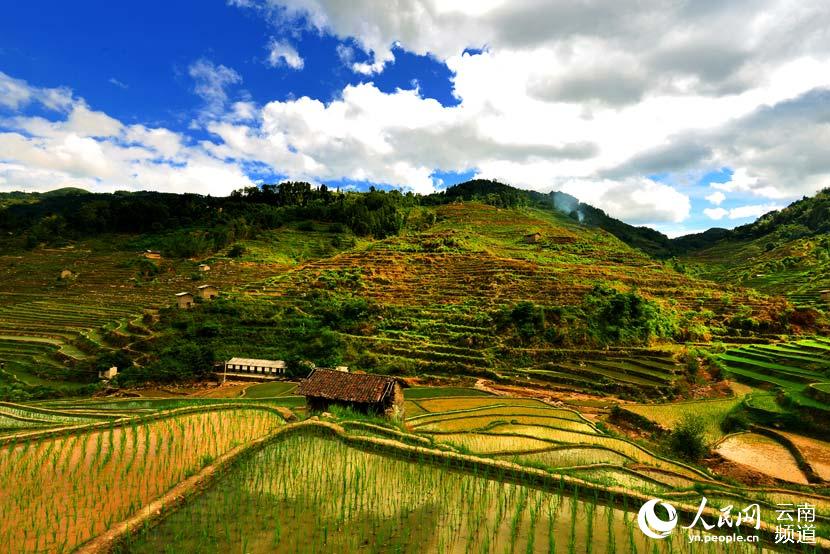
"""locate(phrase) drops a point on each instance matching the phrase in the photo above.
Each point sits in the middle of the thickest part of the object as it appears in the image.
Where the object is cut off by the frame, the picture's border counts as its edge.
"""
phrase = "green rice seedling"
(283, 499)
(65, 490)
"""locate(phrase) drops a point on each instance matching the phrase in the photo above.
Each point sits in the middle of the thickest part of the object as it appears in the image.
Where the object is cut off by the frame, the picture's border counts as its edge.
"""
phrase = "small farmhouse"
(362, 392)
(204, 267)
(208, 292)
(825, 295)
(255, 366)
(184, 300)
(108, 374)
(533, 238)
(152, 254)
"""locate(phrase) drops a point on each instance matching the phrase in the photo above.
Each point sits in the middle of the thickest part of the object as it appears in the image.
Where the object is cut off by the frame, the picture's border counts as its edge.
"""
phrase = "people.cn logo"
(651, 524)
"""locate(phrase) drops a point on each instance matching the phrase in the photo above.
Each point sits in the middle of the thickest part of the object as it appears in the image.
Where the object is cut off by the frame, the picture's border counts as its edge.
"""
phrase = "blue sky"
(210, 96)
(132, 63)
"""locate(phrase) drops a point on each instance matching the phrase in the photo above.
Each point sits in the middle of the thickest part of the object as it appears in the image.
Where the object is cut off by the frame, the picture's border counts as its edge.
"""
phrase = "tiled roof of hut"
(349, 387)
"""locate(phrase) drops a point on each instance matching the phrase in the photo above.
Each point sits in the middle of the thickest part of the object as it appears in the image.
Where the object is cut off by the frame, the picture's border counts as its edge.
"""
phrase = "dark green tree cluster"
(481, 190)
(286, 194)
(805, 217)
(374, 213)
(190, 342)
(190, 224)
(525, 318)
(688, 438)
(614, 317)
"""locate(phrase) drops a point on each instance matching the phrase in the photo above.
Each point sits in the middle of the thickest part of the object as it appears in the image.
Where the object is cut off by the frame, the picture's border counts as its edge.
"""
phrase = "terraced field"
(398, 505)
(791, 366)
(269, 390)
(763, 454)
(769, 450)
(412, 393)
(533, 433)
(49, 325)
(469, 471)
(153, 405)
(795, 269)
(652, 371)
(60, 491)
(109, 457)
(667, 415)
(389, 505)
(17, 417)
(526, 430)
(816, 453)
(439, 288)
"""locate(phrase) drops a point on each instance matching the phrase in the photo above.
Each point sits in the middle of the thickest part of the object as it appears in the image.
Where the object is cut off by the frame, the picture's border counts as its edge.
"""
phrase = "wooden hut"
(152, 254)
(825, 295)
(208, 292)
(184, 300)
(533, 238)
(362, 392)
(204, 267)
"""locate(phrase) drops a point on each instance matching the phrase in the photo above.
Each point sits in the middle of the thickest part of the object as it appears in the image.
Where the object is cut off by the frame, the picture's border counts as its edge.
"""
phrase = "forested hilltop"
(69, 214)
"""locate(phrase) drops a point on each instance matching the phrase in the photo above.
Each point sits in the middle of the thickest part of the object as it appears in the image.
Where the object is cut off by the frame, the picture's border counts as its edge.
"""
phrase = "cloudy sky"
(678, 114)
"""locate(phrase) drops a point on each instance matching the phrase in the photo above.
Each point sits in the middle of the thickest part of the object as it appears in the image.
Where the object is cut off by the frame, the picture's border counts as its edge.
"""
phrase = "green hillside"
(481, 280)
(471, 295)
(782, 253)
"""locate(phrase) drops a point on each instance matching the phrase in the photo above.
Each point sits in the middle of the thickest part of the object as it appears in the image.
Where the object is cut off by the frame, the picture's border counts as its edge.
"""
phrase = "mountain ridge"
(80, 213)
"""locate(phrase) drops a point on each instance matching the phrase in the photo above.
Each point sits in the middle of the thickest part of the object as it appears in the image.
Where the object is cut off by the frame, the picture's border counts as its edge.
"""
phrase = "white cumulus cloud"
(752, 211)
(637, 201)
(281, 53)
(716, 213)
(85, 148)
(580, 92)
(716, 198)
(741, 212)
(596, 98)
